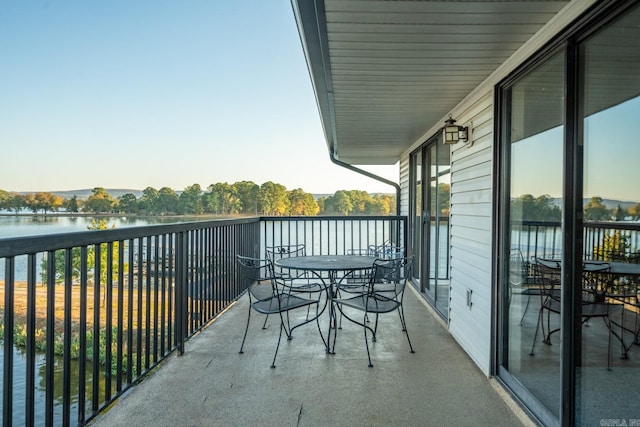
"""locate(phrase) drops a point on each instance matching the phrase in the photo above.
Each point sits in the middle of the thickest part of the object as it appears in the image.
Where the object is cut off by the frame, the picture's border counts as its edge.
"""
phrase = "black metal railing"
(86, 315)
(115, 303)
(601, 240)
(334, 235)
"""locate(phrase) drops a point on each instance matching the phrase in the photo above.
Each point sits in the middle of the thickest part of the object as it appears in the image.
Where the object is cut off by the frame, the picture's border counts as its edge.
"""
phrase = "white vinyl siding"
(404, 187)
(471, 234)
(471, 200)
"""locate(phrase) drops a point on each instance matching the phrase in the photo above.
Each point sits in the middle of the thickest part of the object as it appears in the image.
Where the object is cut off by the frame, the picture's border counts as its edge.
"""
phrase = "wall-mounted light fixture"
(452, 133)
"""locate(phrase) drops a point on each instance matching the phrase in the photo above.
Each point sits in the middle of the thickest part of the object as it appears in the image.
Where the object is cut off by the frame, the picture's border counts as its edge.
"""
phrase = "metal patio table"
(628, 294)
(332, 265)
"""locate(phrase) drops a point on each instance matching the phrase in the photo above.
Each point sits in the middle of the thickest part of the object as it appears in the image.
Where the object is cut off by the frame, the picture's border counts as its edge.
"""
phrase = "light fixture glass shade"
(450, 134)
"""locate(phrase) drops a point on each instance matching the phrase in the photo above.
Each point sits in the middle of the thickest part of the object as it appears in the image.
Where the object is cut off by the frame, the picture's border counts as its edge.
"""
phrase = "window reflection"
(536, 138)
(609, 371)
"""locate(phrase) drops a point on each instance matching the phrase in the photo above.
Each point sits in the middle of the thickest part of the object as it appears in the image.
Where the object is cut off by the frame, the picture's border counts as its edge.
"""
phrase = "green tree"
(634, 211)
(16, 203)
(30, 202)
(72, 204)
(541, 208)
(614, 247)
(301, 203)
(620, 213)
(48, 201)
(221, 199)
(360, 201)
(76, 260)
(342, 203)
(595, 210)
(381, 204)
(247, 194)
(191, 200)
(100, 201)
(444, 199)
(5, 197)
(128, 203)
(149, 201)
(273, 199)
(168, 201)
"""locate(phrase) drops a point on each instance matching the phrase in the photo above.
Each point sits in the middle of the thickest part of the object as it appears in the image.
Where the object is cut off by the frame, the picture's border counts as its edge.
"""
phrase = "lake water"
(23, 225)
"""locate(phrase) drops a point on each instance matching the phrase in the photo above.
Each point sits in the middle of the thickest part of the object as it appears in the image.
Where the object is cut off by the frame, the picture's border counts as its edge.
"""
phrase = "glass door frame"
(572, 214)
(424, 251)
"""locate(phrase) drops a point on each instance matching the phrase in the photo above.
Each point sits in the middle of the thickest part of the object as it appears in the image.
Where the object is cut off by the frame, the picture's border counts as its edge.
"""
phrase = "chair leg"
(404, 327)
(273, 363)
(366, 339)
(326, 344)
(526, 307)
(245, 331)
(535, 335)
(264, 325)
(547, 337)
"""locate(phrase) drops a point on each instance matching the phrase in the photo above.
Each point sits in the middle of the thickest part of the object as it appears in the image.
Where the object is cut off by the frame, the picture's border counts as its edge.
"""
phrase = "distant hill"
(613, 204)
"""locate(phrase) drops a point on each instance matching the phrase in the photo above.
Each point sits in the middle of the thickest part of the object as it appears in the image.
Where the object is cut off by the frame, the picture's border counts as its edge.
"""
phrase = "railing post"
(181, 289)
(7, 380)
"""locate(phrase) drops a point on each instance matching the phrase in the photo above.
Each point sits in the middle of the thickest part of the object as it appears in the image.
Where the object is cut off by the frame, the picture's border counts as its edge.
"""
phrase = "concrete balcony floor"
(213, 385)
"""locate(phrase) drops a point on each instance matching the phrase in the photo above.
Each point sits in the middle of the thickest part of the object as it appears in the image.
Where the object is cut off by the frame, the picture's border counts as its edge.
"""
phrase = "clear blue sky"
(131, 94)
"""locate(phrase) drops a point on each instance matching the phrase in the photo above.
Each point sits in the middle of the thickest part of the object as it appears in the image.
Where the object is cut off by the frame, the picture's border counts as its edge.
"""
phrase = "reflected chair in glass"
(548, 275)
(384, 293)
(269, 294)
(598, 299)
(520, 279)
(548, 278)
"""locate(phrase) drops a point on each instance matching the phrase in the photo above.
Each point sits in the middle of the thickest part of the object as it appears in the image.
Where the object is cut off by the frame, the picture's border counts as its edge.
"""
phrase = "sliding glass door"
(608, 365)
(534, 123)
(431, 187)
(568, 262)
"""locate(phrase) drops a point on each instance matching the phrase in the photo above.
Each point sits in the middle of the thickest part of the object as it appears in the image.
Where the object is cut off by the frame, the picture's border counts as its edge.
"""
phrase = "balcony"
(169, 295)
(211, 384)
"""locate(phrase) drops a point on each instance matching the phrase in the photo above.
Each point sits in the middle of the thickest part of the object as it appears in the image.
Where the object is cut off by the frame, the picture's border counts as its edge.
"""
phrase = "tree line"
(544, 208)
(243, 197)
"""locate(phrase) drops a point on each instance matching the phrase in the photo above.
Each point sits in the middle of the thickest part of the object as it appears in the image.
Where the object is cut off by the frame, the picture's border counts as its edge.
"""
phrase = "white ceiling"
(386, 71)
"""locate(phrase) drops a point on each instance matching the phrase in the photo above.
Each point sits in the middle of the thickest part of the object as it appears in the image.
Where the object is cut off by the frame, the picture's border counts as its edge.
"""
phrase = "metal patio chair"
(594, 302)
(269, 294)
(301, 281)
(383, 294)
(521, 281)
(387, 250)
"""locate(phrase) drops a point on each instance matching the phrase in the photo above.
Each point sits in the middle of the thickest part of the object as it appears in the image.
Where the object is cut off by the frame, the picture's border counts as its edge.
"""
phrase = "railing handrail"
(15, 246)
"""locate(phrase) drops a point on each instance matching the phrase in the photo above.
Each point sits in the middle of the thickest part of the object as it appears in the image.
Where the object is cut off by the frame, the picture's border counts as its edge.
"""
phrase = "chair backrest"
(256, 276)
(386, 251)
(595, 281)
(548, 276)
(517, 268)
(394, 272)
(275, 253)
